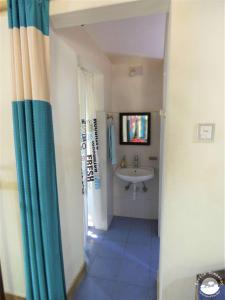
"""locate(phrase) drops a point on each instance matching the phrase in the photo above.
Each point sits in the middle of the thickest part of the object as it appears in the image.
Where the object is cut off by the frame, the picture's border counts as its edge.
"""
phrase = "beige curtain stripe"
(38, 47)
(13, 75)
(25, 64)
(30, 60)
(17, 66)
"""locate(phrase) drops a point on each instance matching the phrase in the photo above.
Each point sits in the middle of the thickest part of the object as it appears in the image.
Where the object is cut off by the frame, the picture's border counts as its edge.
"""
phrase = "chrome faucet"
(136, 161)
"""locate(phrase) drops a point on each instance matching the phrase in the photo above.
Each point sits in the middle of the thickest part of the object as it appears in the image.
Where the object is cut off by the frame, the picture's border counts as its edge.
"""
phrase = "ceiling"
(141, 36)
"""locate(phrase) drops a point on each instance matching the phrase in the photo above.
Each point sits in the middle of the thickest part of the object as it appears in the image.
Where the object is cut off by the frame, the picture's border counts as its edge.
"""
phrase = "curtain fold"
(34, 148)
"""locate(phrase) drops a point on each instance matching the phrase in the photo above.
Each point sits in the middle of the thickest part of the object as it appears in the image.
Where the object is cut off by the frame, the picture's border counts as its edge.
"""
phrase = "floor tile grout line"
(115, 280)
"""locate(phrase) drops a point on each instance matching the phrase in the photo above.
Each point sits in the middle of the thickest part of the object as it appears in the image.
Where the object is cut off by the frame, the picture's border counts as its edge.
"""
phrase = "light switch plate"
(206, 132)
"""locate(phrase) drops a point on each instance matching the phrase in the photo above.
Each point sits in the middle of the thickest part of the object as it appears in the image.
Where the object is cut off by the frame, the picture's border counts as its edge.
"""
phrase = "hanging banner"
(91, 179)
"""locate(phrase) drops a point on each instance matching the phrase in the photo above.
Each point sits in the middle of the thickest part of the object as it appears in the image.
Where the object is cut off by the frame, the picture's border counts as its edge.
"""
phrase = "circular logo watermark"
(209, 284)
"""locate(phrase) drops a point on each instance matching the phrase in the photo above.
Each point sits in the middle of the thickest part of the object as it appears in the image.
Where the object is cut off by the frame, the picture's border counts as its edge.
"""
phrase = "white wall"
(90, 56)
(67, 13)
(67, 133)
(192, 232)
(137, 94)
(62, 6)
(10, 230)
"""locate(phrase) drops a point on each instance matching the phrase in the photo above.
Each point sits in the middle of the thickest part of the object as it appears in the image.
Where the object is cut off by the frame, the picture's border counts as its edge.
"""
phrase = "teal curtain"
(34, 148)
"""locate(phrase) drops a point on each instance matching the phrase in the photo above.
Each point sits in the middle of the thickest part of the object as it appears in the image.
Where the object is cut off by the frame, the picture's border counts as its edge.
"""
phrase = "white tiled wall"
(146, 204)
(137, 94)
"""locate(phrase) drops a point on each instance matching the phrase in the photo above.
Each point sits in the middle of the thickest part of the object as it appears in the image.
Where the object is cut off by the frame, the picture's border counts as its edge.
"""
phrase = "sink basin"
(135, 175)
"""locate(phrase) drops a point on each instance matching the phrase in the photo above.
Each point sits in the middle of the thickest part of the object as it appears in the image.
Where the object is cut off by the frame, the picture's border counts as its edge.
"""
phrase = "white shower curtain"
(89, 146)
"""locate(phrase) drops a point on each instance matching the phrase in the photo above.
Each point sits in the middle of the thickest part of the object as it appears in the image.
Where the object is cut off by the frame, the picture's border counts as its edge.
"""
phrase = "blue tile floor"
(122, 263)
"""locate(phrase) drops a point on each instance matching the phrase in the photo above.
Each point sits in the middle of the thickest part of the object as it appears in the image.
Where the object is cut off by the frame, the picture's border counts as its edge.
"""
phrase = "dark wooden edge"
(3, 5)
(13, 297)
(76, 282)
(121, 128)
(70, 293)
(2, 293)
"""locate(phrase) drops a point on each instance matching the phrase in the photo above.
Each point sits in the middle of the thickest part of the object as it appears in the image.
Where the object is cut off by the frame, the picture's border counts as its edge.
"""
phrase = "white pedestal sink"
(134, 176)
